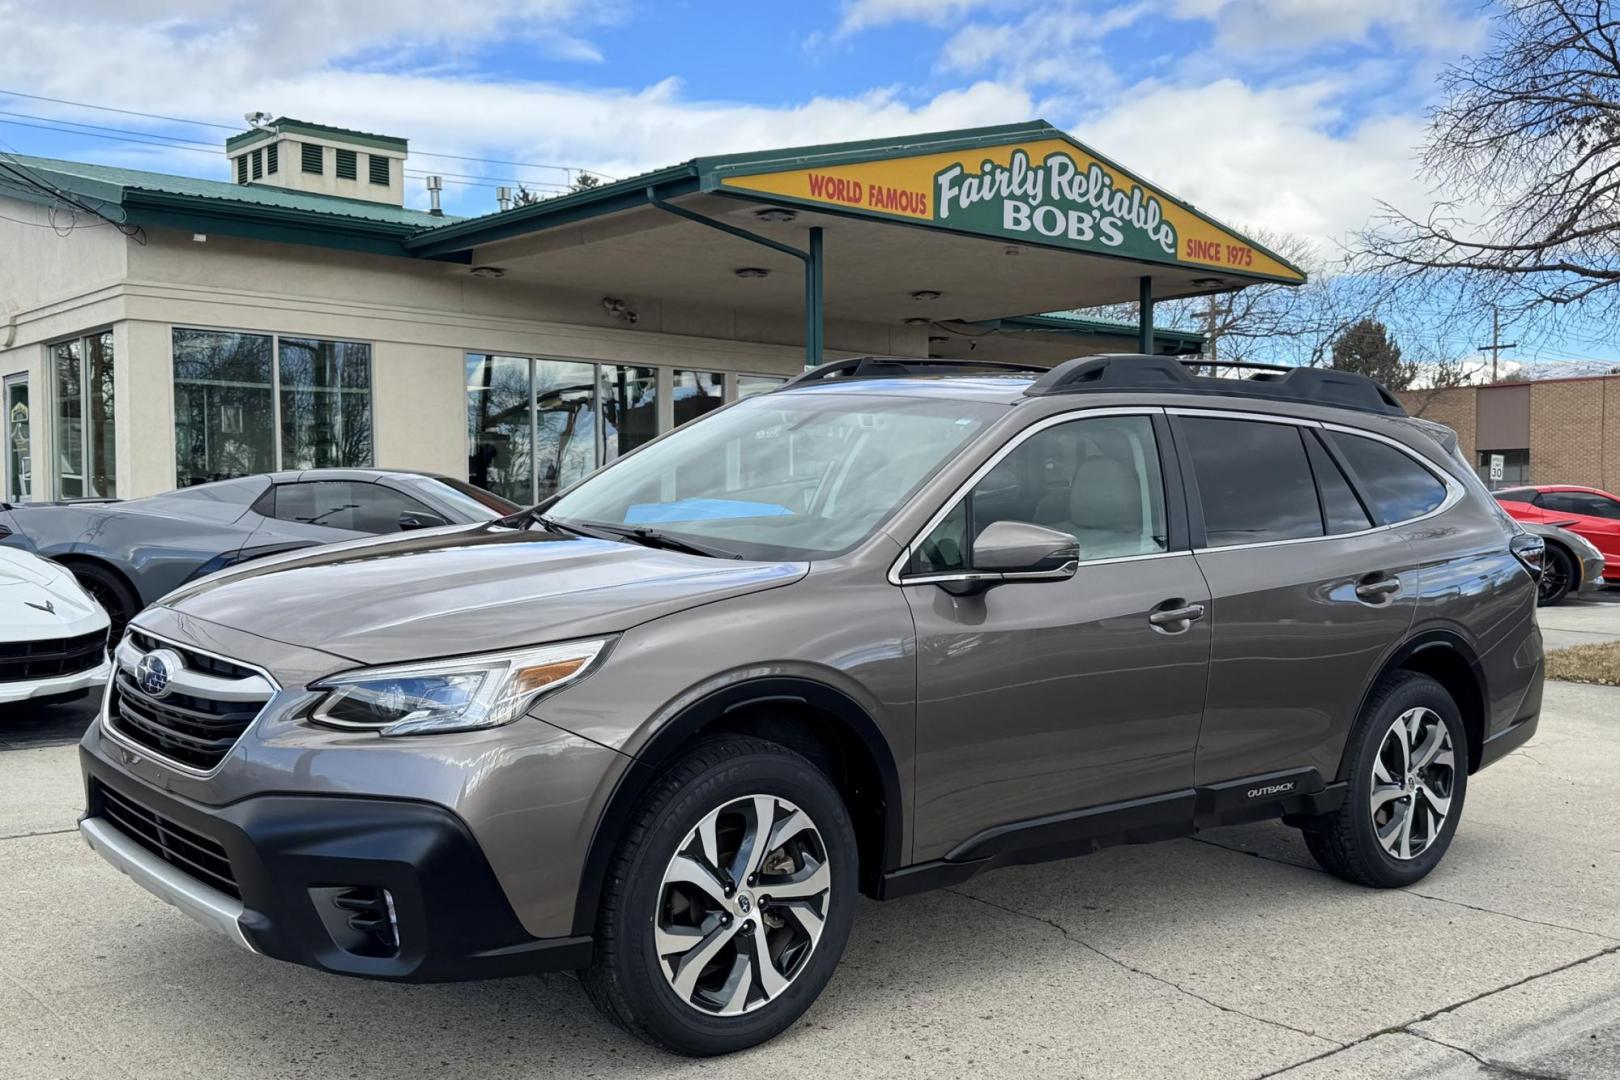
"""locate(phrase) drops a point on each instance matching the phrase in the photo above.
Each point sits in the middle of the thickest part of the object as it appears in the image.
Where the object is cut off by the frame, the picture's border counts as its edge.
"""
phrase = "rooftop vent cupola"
(321, 160)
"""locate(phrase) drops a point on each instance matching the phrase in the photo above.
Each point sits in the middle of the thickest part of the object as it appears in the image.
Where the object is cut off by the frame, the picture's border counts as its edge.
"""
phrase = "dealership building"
(161, 330)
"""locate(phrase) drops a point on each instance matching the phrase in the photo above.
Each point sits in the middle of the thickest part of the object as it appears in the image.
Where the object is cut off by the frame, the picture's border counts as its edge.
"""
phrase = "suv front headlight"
(451, 695)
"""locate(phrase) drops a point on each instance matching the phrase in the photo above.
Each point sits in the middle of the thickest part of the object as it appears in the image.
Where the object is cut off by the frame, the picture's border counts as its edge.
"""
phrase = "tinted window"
(1397, 487)
(1341, 510)
(1254, 481)
(345, 504)
(1579, 502)
(1097, 480)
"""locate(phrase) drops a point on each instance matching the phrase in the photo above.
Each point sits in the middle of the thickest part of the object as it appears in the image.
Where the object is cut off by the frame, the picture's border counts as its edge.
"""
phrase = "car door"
(1039, 702)
(1309, 593)
(1590, 514)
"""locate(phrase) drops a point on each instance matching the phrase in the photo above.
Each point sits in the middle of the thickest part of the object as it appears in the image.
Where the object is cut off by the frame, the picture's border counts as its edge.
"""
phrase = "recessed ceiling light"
(1208, 282)
(919, 321)
(927, 294)
(751, 272)
(938, 340)
(487, 271)
(776, 213)
(1012, 250)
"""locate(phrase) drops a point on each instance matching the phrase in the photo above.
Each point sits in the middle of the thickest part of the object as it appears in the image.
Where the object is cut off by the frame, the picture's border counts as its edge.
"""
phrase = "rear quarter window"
(1394, 485)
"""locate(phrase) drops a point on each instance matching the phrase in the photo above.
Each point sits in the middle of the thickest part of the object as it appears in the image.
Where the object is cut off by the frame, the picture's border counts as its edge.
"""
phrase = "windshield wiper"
(640, 534)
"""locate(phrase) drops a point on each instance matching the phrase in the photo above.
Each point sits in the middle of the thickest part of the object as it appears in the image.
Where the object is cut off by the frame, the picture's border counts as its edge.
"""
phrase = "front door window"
(82, 374)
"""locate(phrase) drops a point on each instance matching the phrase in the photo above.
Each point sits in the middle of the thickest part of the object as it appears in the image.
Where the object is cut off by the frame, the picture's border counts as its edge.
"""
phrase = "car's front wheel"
(1408, 776)
(729, 900)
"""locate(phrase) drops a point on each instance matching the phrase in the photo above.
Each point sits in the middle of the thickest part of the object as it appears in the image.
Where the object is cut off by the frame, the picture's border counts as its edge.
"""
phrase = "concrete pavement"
(1227, 955)
(1584, 619)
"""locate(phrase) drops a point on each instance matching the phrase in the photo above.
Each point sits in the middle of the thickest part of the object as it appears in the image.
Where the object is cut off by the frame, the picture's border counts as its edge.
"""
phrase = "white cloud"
(1274, 26)
(861, 15)
(1058, 45)
(1282, 157)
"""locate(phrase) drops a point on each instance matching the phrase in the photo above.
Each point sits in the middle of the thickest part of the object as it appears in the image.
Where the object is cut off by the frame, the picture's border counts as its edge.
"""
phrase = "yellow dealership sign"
(1050, 191)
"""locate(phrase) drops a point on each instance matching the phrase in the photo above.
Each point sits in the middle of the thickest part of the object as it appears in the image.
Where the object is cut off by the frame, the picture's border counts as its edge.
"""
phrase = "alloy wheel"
(742, 904)
(1413, 778)
(1555, 577)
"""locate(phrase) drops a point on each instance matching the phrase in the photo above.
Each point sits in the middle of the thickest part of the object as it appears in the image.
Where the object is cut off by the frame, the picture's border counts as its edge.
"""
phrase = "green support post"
(1144, 324)
(814, 301)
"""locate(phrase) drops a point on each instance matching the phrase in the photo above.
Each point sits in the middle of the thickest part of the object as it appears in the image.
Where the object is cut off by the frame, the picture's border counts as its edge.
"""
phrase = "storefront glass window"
(224, 405)
(499, 426)
(565, 424)
(629, 408)
(696, 393)
(82, 373)
(19, 455)
(325, 404)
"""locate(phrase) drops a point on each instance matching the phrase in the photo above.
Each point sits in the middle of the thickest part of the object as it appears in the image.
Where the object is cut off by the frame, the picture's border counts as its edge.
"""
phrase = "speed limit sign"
(1497, 462)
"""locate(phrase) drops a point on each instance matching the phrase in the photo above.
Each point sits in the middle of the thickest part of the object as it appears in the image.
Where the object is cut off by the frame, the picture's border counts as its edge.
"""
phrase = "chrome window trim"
(1454, 490)
(104, 721)
(895, 577)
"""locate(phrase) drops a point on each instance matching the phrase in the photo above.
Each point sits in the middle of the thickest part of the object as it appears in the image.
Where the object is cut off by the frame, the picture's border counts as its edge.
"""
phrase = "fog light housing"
(361, 919)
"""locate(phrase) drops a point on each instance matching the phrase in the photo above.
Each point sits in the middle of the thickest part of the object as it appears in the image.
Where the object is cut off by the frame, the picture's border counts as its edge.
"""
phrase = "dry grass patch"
(1598, 664)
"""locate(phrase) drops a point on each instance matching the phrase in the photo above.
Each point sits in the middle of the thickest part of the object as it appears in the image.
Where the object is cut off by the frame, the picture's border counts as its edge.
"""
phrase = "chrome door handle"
(1169, 618)
(1376, 589)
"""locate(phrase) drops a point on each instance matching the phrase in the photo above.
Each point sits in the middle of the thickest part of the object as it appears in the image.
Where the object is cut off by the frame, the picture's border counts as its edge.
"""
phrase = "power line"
(567, 169)
(141, 139)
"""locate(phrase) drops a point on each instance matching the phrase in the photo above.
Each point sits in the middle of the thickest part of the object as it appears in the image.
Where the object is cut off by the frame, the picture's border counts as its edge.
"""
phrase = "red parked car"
(1586, 512)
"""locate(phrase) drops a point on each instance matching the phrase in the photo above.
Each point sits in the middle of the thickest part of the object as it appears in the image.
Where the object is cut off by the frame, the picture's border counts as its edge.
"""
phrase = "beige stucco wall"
(420, 319)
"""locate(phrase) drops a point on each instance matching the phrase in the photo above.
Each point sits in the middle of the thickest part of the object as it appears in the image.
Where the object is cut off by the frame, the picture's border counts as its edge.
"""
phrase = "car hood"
(464, 589)
(40, 600)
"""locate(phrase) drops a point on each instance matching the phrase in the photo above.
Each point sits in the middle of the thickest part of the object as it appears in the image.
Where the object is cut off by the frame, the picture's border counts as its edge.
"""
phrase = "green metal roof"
(256, 211)
(1067, 322)
(286, 125)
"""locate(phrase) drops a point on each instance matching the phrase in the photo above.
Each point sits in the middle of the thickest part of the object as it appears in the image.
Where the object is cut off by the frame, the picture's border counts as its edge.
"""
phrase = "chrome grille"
(194, 713)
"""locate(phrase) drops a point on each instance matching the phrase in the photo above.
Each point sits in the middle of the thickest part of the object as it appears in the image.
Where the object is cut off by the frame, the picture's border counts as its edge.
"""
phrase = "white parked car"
(53, 636)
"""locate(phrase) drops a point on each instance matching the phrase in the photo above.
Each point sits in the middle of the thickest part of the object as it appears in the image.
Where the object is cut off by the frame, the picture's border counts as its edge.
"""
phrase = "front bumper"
(35, 689)
(290, 856)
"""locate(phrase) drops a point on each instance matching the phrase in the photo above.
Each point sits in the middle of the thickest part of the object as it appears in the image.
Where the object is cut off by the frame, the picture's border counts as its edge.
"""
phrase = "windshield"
(781, 476)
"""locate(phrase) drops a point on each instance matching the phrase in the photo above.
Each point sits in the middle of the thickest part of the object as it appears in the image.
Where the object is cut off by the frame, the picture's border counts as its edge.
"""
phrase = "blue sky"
(1292, 117)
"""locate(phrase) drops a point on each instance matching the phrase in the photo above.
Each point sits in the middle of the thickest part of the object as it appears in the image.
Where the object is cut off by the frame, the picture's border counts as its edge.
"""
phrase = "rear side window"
(1341, 509)
(1579, 502)
(1254, 481)
(1396, 487)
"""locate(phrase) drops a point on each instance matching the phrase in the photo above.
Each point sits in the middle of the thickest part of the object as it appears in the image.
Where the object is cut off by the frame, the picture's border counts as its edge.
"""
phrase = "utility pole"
(1496, 346)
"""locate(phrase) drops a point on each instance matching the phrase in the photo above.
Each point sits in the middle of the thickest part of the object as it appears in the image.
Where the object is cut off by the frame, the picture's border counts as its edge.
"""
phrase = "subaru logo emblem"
(152, 674)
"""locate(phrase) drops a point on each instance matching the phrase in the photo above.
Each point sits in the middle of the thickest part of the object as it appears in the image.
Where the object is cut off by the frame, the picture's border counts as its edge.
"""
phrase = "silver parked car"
(888, 627)
(127, 554)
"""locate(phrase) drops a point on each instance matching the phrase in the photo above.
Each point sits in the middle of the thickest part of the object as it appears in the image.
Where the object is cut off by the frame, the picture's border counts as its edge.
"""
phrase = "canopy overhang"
(953, 228)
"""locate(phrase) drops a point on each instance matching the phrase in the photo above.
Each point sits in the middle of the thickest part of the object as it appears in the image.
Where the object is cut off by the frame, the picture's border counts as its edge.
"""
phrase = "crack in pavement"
(1413, 892)
(42, 832)
(66, 1021)
(1407, 1027)
(1060, 928)
(1492, 1068)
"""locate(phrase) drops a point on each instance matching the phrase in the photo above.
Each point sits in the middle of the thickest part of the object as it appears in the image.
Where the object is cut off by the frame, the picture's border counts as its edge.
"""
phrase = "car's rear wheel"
(1408, 775)
(111, 592)
(729, 901)
(1557, 576)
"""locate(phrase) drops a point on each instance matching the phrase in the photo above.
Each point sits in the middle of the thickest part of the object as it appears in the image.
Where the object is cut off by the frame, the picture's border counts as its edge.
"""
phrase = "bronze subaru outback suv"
(895, 624)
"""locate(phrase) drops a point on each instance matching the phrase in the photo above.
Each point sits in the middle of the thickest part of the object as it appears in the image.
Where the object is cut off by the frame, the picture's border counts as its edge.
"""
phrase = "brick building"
(1553, 431)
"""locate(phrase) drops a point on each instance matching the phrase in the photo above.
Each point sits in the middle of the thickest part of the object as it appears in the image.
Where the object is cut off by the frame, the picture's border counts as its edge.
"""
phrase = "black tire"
(626, 979)
(1558, 575)
(1346, 842)
(109, 590)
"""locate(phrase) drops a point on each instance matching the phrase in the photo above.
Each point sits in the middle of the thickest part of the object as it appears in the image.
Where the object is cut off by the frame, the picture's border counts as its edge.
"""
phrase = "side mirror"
(1023, 550)
(1016, 551)
(419, 519)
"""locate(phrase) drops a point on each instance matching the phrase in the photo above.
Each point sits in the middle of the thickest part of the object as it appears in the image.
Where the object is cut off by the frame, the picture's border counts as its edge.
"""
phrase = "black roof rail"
(891, 367)
(1272, 382)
